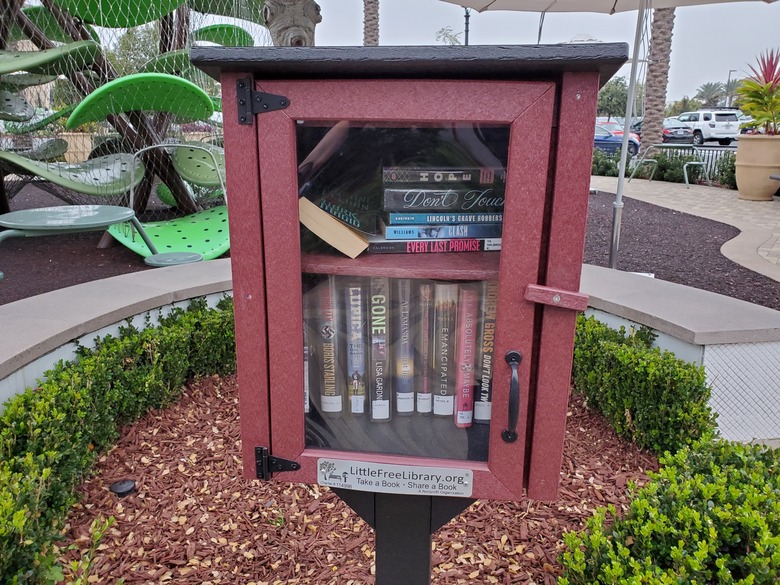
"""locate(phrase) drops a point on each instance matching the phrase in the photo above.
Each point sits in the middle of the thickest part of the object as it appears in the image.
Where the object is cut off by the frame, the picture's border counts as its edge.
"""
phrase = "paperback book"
(442, 176)
(379, 385)
(466, 355)
(402, 350)
(355, 308)
(441, 232)
(418, 199)
(331, 381)
(424, 338)
(443, 361)
(485, 361)
(400, 218)
(384, 246)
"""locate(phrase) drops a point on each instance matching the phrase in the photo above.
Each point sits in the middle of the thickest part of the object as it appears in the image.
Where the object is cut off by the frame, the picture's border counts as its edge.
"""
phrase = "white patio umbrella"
(606, 7)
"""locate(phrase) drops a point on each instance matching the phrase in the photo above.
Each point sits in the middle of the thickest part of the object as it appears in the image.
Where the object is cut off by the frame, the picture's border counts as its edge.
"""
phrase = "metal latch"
(267, 464)
(252, 102)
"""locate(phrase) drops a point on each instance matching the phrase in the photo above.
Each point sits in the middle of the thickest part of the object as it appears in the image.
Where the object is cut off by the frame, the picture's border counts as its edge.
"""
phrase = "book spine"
(481, 199)
(485, 360)
(399, 218)
(434, 246)
(466, 333)
(438, 176)
(443, 362)
(403, 355)
(443, 232)
(331, 375)
(424, 404)
(355, 299)
(379, 386)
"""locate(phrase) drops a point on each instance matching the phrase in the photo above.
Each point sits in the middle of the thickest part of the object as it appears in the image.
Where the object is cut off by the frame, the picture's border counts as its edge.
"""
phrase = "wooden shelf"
(452, 266)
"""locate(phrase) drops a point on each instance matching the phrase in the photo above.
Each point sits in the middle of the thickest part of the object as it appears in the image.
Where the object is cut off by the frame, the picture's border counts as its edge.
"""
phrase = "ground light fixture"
(122, 488)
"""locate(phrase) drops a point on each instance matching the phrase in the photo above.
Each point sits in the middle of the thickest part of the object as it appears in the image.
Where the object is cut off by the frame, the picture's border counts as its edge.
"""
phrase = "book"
(466, 335)
(356, 330)
(383, 246)
(443, 359)
(402, 352)
(441, 232)
(345, 239)
(331, 374)
(437, 176)
(485, 358)
(424, 401)
(479, 199)
(400, 218)
(306, 373)
(380, 390)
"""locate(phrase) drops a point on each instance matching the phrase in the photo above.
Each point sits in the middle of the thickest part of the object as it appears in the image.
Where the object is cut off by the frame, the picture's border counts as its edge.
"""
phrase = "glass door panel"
(400, 365)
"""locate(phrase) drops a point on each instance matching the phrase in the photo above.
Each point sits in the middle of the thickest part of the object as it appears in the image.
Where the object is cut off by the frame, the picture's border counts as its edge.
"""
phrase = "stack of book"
(378, 347)
(423, 210)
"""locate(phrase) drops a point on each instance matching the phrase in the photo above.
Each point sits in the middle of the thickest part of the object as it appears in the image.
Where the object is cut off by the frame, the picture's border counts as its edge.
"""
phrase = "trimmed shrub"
(50, 435)
(605, 164)
(726, 170)
(710, 515)
(650, 397)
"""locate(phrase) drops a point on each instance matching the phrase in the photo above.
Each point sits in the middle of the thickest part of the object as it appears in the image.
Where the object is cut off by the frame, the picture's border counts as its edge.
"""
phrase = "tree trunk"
(370, 23)
(291, 22)
(657, 76)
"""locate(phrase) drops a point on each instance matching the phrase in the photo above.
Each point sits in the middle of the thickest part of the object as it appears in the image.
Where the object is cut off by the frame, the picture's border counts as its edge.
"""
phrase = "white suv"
(713, 124)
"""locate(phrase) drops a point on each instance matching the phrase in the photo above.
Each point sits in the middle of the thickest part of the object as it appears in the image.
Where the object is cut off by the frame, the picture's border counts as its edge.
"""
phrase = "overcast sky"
(708, 40)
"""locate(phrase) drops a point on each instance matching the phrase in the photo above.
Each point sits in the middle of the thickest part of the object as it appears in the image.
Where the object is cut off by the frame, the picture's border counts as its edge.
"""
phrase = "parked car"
(617, 129)
(674, 132)
(610, 143)
(714, 124)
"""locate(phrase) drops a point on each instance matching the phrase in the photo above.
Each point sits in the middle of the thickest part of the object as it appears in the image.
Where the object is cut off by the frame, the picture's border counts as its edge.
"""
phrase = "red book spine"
(467, 347)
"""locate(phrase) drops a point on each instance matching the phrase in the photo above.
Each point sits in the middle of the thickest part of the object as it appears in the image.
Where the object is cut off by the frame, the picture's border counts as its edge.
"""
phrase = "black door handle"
(513, 358)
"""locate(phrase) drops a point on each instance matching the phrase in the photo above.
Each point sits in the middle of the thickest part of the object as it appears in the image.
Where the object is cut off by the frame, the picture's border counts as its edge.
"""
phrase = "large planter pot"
(758, 156)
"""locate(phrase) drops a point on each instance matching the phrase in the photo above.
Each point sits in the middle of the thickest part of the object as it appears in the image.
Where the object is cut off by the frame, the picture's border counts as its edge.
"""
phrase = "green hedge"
(649, 396)
(710, 515)
(50, 435)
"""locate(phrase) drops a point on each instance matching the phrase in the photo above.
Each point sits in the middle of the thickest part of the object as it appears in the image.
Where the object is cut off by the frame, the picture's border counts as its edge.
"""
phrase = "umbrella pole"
(617, 212)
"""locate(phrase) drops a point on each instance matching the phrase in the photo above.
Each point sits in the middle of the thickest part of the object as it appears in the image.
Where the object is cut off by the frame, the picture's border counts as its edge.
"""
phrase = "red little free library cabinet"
(436, 362)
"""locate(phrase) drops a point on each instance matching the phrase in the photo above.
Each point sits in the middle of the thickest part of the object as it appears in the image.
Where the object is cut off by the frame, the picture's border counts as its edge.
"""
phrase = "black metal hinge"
(252, 102)
(266, 464)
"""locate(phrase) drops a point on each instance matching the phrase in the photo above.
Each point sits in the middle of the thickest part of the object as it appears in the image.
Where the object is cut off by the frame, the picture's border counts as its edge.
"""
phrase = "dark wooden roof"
(428, 62)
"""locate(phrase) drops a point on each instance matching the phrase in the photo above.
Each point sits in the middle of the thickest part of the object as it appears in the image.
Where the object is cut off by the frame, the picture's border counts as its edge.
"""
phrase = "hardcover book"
(383, 246)
(466, 351)
(422, 176)
(402, 351)
(485, 361)
(424, 403)
(331, 373)
(379, 386)
(442, 232)
(400, 218)
(443, 362)
(417, 199)
(355, 309)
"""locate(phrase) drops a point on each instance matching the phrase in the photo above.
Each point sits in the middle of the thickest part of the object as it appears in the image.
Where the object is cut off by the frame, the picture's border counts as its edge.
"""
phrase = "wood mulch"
(194, 519)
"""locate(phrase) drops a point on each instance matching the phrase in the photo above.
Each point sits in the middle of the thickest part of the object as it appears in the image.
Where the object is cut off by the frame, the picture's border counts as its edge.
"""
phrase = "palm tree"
(710, 93)
(730, 90)
(370, 23)
(657, 75)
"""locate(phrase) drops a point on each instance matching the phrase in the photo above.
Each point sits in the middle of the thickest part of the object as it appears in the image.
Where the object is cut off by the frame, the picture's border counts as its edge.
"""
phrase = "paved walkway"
(757, 247)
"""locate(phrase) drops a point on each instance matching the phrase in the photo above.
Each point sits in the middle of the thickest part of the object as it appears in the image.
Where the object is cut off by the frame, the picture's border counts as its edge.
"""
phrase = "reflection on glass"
(376, 189)
(417, 354)
(400, 365)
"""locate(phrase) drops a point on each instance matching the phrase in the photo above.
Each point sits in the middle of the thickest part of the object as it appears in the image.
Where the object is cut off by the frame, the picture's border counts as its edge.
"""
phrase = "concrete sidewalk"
(757, 247)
